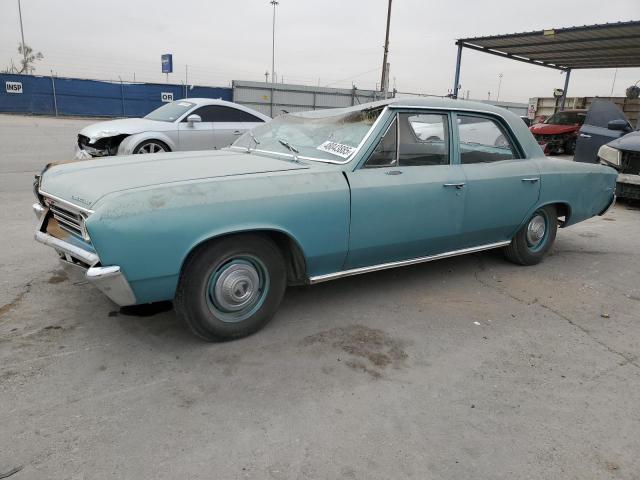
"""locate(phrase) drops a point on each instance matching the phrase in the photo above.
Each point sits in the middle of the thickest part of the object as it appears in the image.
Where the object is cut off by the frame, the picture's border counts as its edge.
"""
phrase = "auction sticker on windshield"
(338, 149)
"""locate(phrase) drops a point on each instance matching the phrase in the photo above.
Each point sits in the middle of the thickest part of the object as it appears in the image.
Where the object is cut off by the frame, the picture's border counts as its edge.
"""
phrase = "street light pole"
(24, 52)
(499, 85)
(384, 80)
(273, 42)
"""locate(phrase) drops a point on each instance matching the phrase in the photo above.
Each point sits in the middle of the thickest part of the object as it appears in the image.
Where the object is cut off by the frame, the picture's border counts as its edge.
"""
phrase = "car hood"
(549, 129)
(629, 142)
(83, 183)
(128, 126)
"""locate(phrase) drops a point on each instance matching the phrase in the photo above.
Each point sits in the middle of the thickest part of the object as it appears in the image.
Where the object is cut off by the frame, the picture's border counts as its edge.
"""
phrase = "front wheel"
(231, 288)
(150, 146)
(534, 239)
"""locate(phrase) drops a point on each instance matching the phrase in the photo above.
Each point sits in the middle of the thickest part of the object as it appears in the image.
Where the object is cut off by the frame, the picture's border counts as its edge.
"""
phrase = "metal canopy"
(608, 45)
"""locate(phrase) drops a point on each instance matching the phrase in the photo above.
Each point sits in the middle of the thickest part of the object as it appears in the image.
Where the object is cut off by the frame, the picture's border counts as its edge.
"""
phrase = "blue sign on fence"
(167, 63)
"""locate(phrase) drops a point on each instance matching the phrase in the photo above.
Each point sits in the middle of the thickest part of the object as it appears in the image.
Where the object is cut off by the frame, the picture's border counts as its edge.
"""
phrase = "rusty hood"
(84, 183)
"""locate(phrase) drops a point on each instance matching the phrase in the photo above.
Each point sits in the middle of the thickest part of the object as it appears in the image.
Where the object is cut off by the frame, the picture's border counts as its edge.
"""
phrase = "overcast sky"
(329, 42)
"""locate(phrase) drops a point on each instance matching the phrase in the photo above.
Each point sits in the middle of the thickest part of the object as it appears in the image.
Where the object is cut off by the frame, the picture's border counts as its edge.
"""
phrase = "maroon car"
(558, 133)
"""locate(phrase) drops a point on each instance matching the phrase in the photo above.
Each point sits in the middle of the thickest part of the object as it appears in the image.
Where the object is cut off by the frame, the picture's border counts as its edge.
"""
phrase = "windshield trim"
(325, 160)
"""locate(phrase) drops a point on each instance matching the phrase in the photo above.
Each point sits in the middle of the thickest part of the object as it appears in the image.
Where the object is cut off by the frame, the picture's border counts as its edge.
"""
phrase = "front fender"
(129, 144)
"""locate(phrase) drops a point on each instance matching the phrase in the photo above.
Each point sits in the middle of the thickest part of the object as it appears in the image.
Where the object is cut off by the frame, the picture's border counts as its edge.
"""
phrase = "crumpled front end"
(62, 227)
(88, 148)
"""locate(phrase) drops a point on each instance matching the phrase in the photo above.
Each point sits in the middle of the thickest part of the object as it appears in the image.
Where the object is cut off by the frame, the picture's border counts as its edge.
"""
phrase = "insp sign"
(13, 87)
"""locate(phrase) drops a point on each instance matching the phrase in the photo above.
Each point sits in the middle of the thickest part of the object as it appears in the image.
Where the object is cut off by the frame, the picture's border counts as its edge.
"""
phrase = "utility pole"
(24, 52)
(384, 81)
(499, 85)
(273, 42)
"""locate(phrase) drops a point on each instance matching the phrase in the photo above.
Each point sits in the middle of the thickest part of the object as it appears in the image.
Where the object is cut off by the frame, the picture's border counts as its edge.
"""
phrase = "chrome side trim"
(112, 282)
(83, 255)
(404, 263)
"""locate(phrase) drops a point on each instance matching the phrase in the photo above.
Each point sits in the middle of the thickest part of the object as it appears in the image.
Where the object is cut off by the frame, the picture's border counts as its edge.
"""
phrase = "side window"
(385, 153)
(221, 113)
(424, 139)
(412, 140)
(483, 140)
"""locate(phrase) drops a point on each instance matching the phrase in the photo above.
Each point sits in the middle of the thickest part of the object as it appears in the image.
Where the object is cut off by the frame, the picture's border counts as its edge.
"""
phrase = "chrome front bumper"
(109, 280)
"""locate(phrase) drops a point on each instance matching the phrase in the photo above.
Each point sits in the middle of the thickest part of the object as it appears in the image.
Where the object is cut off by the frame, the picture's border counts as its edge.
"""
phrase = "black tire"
(570, 146)
(151, 146)
(205, 294)
(522, 250)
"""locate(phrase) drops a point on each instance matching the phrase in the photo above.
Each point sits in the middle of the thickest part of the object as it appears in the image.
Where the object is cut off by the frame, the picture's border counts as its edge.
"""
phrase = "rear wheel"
(151, 146)
(231, 288)
(534, 239)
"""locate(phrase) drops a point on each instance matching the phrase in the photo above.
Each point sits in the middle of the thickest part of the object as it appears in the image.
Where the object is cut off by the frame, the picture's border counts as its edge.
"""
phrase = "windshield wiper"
(291, 148)
(255, 140)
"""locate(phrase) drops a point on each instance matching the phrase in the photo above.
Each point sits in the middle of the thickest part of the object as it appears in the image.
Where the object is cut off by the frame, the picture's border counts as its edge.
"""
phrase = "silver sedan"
(190, 124)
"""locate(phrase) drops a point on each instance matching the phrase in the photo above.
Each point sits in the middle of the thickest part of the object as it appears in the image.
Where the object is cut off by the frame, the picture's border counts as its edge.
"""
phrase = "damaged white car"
(190, 124)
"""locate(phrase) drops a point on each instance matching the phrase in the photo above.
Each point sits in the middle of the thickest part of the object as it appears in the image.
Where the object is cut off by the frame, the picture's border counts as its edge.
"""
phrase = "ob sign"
(166, 97)
(13, 87)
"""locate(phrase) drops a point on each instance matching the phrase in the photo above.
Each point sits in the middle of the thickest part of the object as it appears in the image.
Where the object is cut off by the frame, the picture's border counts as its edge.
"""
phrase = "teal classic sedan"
(311, 197)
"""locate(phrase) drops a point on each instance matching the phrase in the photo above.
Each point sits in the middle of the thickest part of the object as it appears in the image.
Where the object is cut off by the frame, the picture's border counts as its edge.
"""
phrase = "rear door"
(595, 132)
(501, 185)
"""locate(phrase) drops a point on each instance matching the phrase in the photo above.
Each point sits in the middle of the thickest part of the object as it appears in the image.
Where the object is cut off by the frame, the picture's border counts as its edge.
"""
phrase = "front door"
(595, 130)
(197, 135)
(502, 186)
(407, 199)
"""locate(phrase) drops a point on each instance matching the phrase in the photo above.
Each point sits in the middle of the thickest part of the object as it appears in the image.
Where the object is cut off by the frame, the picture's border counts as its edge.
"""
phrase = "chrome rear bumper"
(109, 280)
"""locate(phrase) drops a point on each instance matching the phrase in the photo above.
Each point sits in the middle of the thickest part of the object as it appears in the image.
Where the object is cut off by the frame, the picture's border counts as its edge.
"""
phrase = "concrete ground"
(467, 368)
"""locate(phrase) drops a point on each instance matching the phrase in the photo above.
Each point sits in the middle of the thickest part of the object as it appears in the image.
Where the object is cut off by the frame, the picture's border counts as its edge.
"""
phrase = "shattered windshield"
(312, 136)
(566, 118)
(170, 112)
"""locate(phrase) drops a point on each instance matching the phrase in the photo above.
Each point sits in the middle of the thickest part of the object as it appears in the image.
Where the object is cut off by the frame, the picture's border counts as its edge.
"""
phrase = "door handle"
(237, 132)
(394, 172)
(584, 135)
(456, 185)
(531, 180)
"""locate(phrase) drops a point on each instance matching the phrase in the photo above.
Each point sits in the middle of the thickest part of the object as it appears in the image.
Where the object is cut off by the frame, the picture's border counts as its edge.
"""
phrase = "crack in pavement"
(7, 307)
(627, 359)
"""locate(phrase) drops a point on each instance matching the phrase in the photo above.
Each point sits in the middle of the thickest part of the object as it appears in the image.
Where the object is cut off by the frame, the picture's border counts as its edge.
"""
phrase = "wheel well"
(564, 212)
(293, 256)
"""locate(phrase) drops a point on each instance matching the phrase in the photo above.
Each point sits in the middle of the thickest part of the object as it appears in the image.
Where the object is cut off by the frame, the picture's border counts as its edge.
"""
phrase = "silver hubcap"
(536, 230)
(151, 148)
(237, 287)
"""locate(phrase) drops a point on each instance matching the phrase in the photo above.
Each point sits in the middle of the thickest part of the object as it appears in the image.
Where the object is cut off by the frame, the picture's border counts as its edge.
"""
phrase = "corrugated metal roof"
(608, 45)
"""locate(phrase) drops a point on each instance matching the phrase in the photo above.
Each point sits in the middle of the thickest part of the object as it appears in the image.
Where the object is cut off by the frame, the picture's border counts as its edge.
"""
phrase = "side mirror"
(619, 124)
(191, 119)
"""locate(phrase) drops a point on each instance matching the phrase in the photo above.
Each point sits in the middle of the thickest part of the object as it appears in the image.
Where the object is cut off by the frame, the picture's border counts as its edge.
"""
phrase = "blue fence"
(74, 96)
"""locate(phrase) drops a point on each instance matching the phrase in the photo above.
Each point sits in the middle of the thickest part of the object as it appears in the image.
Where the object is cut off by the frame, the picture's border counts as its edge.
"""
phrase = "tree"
(28, 59)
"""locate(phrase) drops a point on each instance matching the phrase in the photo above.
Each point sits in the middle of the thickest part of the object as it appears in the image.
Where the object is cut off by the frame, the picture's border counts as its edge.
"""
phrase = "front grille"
(82, 140)
(630, 163)
(68, 220)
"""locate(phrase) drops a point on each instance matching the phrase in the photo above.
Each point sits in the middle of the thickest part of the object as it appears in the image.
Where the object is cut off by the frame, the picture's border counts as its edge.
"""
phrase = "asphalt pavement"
(466, 368)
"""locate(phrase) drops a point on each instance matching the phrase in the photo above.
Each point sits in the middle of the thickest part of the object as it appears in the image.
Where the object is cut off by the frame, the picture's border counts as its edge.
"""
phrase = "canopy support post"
(456, 80)
(566, 87)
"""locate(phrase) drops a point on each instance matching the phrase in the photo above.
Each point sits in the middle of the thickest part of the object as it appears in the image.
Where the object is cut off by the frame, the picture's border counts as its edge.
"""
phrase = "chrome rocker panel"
(403, 263)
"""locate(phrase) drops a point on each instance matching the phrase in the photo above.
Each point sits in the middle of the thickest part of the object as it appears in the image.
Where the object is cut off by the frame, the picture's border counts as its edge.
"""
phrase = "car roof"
(409, 102)
(200, 102)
